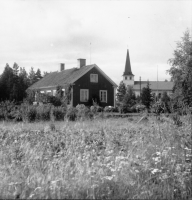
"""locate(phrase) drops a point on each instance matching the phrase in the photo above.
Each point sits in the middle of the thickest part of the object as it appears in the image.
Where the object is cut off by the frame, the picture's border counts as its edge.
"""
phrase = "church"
(157, 87)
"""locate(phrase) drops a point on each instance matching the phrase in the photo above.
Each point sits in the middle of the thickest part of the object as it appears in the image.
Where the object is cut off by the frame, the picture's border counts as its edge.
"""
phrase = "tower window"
(130, 77)
(125, 77)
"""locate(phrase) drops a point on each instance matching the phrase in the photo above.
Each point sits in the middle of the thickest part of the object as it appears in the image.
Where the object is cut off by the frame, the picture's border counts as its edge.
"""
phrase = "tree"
(165, 99)
(181, 70)
(23, 83)
(38, 75)
(6, 83)
(129, 99)
(32, 76)
(14, 93)
(121, 91)
(146, 96)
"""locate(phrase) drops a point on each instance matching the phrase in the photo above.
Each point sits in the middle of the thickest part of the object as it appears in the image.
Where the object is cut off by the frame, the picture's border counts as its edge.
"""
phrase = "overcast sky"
(44, 33)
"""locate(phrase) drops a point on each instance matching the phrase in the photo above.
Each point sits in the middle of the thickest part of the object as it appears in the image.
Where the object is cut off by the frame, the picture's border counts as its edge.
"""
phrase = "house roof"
(67, 76)
(154, 85)
(128, 66)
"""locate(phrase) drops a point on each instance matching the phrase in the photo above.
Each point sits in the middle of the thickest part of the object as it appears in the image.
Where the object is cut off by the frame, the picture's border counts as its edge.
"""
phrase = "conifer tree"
(121, 91)
(6, 83)
(146, 96)
(32, 76)
(129, 99)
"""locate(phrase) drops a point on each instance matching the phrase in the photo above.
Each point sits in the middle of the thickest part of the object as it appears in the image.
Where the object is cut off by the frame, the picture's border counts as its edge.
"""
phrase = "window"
(94, 78)
(103, 96)
(48, 92)
(125, 78)
(63, 92)
(84, 95)
(42, 92)
(130, 78)
(54, 92)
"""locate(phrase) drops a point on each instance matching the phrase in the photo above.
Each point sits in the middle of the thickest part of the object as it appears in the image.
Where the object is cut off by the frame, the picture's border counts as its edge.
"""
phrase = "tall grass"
(108, 158)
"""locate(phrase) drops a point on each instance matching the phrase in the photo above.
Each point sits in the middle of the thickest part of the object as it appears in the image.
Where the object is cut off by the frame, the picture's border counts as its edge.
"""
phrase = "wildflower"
(109, 177)
(155, 171)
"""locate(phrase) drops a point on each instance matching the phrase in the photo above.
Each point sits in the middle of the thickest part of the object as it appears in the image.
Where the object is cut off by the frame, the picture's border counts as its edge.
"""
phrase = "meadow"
(103, 158)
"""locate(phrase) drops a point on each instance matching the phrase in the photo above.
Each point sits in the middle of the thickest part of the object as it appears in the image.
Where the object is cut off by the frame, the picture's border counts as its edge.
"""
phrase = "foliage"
(128, 101)
(15, 81)
(110, 109)
(102, 159)
(6, 109)
(71, 114)
(181, 70)
(43, 113)
(166, 101)
(121, 91)
(84, 112)
(59, 113)
(146, 96)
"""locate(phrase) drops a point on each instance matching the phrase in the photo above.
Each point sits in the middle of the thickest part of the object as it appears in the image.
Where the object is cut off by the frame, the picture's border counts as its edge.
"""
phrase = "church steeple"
(128, 77)
(128, 66)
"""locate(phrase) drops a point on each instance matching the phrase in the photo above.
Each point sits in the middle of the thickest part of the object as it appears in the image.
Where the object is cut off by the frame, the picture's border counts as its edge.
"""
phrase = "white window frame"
(49, 92)
(63, 91)
(94, 78)
(84, 95)
(54, 92)
(101, 96)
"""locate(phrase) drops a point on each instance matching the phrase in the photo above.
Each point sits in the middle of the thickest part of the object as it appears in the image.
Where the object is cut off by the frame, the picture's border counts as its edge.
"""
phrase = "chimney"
(62, 66)
(81, 62)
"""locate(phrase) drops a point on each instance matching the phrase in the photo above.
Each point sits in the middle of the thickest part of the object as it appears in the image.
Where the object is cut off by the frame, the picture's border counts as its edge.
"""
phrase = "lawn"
(102, 158)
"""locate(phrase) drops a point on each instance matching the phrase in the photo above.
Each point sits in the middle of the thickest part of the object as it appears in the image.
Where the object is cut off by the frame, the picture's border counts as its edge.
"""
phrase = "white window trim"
(100, 91)
(95, 79)
(63, 91)
(54, 92)
(83, 100)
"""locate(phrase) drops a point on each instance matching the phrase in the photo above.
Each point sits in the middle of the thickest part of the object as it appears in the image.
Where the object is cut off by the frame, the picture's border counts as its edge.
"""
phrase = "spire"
(127, 66)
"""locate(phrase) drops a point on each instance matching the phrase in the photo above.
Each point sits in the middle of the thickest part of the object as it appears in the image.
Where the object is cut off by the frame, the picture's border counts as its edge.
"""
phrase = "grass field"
(103, 158)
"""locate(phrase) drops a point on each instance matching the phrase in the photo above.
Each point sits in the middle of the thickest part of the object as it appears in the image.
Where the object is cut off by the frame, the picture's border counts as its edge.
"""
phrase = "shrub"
(71, 113)
(110, 109)
(6, 108)
(31, 113)
(59, 113)
(84, 112)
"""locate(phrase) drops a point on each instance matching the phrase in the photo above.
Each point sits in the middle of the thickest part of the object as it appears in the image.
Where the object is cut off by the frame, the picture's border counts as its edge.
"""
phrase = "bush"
(43, 112)
(31, 113)
(110, 109)
(59, 113)
(84, 112)
(71, 113)
(6, 108)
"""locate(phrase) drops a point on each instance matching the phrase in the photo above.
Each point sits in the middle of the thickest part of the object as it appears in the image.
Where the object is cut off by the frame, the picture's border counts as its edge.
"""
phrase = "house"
(157, 87)
(88, 82)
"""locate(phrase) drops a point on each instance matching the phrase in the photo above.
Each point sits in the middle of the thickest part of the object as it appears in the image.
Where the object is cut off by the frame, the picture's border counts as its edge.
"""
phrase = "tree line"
(15, 80)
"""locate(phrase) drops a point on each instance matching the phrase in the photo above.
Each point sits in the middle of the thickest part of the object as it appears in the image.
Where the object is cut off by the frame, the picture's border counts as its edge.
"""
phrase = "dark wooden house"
(87, 83)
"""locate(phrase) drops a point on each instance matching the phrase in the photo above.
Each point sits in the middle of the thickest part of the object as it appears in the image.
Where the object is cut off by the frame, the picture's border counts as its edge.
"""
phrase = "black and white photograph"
(96, 99)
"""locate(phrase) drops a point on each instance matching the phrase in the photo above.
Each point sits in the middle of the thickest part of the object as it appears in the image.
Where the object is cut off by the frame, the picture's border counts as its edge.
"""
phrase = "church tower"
(128, 77)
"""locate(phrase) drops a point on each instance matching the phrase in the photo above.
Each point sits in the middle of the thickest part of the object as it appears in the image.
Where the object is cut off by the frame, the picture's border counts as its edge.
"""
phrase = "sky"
(44, 33)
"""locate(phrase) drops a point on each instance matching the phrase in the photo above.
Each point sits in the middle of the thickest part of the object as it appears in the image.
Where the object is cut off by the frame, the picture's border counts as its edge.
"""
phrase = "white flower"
(155, 171)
